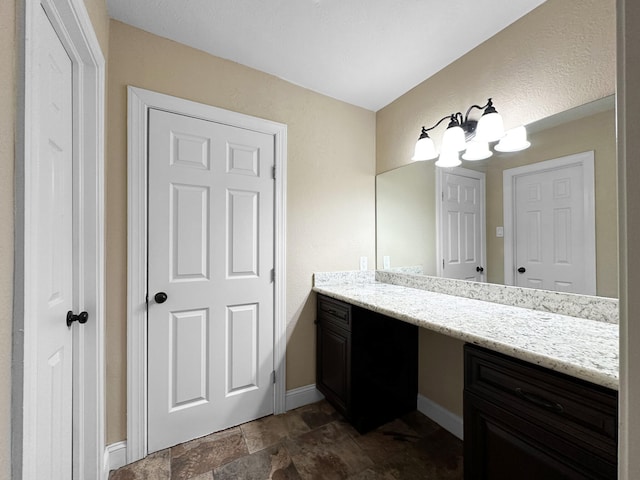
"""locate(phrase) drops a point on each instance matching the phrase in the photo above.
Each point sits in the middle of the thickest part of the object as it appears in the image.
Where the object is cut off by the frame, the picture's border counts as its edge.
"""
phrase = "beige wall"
(7, 131)
(596, 132)
(559, 56)
(99, 17)
(441, 370)
(330, 204)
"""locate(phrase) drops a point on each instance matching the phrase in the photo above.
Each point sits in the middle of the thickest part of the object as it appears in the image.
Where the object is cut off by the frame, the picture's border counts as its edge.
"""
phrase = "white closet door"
(51, 234)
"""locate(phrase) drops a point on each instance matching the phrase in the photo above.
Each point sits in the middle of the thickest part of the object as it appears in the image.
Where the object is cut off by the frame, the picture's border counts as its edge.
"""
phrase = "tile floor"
(311, 442)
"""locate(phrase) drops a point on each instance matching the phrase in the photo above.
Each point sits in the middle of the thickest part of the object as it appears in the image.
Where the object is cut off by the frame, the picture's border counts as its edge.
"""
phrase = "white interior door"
(51, 234)
(552, 249)
(461, 224)
(211, 251)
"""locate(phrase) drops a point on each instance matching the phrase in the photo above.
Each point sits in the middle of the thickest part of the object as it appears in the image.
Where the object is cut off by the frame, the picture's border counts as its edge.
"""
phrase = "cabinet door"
(500, 445)
(333, 363)
(580, 412)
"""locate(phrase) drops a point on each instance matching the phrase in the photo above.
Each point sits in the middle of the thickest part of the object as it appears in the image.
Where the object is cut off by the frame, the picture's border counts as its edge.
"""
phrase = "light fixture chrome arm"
(488, 106)
(452, 117)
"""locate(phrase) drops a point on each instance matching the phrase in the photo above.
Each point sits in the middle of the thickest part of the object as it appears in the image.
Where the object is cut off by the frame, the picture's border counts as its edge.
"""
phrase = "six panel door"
(462, 229)
(211, 252)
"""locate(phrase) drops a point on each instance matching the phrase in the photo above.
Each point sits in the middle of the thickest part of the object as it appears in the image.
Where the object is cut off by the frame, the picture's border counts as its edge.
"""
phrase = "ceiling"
(364, 52)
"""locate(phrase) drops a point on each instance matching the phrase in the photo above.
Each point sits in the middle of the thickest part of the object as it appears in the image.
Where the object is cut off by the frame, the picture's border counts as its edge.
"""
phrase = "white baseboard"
(443, 417)
(115, 456)
(299, 397)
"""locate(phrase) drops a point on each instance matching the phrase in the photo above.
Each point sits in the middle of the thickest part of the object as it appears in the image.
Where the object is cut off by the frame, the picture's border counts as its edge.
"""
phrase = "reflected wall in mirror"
(406, 198)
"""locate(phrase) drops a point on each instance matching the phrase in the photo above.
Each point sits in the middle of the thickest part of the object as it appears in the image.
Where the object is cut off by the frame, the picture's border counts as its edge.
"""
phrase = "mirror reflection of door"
(550, 225)
(461, 224)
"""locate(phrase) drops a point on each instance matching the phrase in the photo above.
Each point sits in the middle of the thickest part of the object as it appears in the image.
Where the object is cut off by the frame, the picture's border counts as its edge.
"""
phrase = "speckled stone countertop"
(582, 348)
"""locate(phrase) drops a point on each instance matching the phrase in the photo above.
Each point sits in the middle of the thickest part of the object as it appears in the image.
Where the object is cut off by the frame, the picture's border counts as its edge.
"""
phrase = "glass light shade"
(448, 159)
(490, 128)
(453, 140)
(514, 141)
(425, 150)
(477, 151)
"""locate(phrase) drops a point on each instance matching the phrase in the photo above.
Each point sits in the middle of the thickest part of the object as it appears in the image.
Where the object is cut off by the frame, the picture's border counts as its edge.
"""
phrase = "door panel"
(470, 242)
(211, 249)
(244, 238)
(51, 231)
(562, 236)
(242, 348)
(335, 346)
(190, 240)
(189, 352)
(453, 250)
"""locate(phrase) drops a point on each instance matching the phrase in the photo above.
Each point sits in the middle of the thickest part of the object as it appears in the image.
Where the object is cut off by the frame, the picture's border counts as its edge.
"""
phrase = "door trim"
(586, 161)
(139, 103)
(73, 25)
(466, 172)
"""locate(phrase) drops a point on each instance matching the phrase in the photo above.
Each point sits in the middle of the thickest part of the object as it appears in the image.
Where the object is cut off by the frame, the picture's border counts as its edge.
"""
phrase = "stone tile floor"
(311, 442)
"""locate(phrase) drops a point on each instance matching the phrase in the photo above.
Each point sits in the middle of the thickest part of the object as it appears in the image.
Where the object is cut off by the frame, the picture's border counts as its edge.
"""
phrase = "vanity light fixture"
(471, 136)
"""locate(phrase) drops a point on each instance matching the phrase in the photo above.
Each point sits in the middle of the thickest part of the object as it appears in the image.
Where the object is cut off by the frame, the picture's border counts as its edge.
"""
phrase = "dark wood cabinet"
(527, 422)
(366, 363)
(334, 366)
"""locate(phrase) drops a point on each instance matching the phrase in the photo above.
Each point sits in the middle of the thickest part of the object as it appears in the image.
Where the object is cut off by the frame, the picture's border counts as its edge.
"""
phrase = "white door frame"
(586, 161)
(72, 24)
(139, 103)
(467, 172)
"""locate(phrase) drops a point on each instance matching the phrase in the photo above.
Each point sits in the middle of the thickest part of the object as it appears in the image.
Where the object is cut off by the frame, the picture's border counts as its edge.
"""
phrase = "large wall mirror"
(406, 227)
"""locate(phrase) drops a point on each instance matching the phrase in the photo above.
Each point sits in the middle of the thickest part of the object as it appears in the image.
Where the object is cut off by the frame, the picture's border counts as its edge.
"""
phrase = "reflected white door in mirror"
(549, 218)
(460, 215)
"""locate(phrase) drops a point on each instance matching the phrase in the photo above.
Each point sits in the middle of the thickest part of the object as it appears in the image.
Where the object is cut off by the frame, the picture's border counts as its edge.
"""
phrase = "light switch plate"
(499, 232)
(363, 263)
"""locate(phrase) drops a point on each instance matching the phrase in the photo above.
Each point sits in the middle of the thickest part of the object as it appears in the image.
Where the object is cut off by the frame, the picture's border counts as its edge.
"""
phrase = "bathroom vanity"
(540, 397)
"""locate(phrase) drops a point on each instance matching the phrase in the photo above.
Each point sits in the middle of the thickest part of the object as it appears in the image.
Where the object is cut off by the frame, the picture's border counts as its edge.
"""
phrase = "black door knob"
(522, 270)
(81, 318)
(160, 297)
(479, 269)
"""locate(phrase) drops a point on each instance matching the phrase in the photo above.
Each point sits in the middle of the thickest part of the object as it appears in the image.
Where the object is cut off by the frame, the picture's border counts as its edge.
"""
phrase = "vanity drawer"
(334, 312)
(578, 410)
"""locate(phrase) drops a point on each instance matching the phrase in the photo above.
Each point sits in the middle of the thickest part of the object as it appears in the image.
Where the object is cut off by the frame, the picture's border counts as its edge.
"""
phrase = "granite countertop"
(586, 349)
